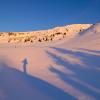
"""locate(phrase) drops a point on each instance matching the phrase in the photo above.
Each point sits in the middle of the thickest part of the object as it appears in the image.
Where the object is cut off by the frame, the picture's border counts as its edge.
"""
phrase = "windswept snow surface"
(64, 70)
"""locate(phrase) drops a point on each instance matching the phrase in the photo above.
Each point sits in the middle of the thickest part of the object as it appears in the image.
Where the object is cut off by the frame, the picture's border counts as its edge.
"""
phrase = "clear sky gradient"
(28, 15)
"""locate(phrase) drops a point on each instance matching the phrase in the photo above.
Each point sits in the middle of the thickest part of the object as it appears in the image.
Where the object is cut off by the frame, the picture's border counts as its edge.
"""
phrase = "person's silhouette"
(25, 62)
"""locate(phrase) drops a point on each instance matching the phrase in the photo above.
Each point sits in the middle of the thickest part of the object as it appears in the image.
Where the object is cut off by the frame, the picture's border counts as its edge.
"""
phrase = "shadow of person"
(15, 85)
(25, 63)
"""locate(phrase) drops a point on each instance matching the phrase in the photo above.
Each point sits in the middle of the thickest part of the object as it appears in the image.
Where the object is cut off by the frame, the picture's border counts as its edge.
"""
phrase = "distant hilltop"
(55, 34)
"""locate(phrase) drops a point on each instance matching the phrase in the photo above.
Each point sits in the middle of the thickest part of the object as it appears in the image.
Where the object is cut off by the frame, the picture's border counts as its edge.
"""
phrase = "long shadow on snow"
(91, 51)
(90, 75)
(16, 85)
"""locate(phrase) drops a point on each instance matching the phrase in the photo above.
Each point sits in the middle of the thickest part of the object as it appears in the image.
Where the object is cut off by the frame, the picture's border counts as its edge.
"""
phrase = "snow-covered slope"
(55, 34)
(66, 70)
(88, 38)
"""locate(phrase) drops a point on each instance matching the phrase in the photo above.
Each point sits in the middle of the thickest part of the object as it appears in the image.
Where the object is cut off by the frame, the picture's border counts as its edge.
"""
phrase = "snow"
(54, 34)
(61, 70)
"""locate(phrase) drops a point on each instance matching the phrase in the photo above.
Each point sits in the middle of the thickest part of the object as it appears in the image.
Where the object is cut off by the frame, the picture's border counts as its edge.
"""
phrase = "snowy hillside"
(55, 34)
(63, 70)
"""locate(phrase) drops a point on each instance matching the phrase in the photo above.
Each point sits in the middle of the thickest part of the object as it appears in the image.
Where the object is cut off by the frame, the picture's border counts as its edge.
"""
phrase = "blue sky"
(27, 15)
